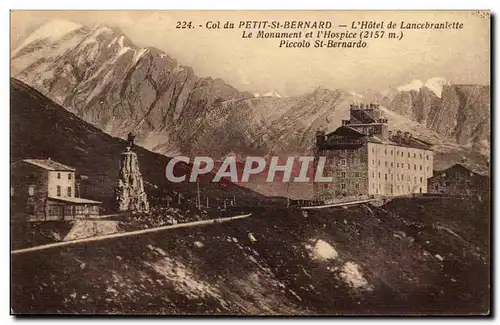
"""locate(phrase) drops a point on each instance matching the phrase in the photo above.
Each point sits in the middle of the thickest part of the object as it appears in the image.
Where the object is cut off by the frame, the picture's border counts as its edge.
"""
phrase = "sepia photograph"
(250, 163)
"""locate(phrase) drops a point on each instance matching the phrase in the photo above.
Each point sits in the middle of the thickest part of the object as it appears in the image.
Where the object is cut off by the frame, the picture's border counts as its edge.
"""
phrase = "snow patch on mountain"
(51, 32)
(273, 93)
(434, 84)
(355, 94)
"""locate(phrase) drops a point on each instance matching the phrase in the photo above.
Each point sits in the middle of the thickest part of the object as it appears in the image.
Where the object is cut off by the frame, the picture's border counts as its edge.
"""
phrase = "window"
(356, 185)
(378, 175)
(356, 174)
(420, 190)
(342, 161)
(31, 190)
(420, 179)
(69, 191)
(385, 152)
(58, 175)
(420, 167)
(409, 167)
(414, 167)
(386, 164)
(397, 177)
(408, 155)
(385, 176)
(414, 155)
(392, 164)
(343, 175)
(69, 175)
(420, 156)
(391, 152)
(402, 153)
(402, 177)
(379, 162)
(325, 185)
(373, 162)
(397, 165)
(342, 186)
(373, 174)
(58, 190)
(427, 157)
(415, 179)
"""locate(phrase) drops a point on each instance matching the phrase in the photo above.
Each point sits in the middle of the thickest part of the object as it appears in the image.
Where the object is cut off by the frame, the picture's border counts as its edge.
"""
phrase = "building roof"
(49, 164)
(76, 200)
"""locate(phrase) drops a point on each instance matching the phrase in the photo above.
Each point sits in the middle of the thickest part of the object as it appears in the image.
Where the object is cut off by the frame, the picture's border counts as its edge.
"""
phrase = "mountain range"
(102, 77)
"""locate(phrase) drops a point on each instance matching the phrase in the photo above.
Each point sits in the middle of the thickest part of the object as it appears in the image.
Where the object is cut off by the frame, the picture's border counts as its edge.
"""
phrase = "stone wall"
(130, 194)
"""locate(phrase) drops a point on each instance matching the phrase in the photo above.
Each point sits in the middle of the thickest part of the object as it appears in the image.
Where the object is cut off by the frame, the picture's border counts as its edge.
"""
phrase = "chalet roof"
(76, 200)
(346, 131)
(468, 167)
(410, 143)
(49, 164)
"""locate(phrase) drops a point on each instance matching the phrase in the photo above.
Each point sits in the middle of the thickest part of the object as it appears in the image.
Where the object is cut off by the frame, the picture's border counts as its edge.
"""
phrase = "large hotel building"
(365, 158)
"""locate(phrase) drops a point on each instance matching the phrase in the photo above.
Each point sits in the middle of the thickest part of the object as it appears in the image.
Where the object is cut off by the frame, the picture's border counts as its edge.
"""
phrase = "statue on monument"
(130, 139)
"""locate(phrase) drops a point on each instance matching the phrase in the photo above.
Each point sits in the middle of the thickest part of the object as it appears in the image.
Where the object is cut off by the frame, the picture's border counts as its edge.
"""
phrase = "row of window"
(343, 186)
(398, 165)
(399, 188)
(343, 162)
(69, 191)
(344, 174)
(401, 153)
(397, 176)
(69, 176)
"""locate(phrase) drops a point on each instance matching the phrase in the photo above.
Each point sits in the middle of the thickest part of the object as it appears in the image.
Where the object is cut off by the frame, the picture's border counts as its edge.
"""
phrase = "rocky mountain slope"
(410, 256)
(102, 77)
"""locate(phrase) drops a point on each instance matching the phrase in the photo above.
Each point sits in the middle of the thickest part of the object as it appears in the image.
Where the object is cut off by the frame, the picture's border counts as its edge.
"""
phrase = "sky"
(259, 65)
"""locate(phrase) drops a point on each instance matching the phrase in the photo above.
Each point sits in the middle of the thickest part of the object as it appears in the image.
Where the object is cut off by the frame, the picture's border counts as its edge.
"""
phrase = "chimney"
(49, 159)
(464, 160)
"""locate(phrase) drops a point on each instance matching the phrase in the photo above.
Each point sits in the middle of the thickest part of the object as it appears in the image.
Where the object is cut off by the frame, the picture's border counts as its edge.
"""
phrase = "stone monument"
(130, 195)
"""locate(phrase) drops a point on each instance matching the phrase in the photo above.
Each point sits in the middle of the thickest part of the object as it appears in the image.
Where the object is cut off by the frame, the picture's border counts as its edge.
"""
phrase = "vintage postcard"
(250, 162)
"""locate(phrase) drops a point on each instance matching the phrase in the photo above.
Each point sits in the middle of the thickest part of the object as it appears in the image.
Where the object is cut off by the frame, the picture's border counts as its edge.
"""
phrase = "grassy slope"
(40, 129)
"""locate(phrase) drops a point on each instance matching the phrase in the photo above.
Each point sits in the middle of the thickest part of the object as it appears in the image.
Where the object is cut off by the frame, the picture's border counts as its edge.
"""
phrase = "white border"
(148, 4)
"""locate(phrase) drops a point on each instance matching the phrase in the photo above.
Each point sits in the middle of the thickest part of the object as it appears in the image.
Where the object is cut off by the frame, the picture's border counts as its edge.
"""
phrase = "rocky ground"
(417, 256)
